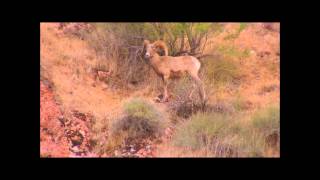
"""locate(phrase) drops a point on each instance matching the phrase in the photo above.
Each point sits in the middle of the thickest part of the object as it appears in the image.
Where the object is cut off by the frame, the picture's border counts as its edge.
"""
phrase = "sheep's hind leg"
(193, 88)
(201, 89)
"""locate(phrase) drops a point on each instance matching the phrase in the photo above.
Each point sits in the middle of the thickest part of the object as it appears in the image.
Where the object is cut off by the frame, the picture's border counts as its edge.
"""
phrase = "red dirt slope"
(53, 143)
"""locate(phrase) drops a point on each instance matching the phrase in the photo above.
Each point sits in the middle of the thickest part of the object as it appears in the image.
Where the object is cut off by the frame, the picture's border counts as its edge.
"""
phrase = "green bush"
(141, 121)
(142, 109)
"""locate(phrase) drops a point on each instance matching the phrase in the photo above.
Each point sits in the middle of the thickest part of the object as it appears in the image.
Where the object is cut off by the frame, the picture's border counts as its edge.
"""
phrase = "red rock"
(52, 140)
(57, 136)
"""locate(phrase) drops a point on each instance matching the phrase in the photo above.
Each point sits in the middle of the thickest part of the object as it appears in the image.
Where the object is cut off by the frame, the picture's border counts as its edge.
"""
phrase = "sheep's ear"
(146, 42)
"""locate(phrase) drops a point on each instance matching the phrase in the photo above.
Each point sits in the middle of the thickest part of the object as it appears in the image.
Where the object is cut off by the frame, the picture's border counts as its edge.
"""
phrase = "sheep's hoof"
(157, 99)
(163, 100)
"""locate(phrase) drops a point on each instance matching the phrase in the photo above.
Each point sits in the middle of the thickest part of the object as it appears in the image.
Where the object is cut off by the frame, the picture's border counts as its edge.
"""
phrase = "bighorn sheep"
(168, 67)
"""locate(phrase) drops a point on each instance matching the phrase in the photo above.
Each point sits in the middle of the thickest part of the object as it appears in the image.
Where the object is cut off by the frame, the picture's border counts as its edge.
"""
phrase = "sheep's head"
(151, 49)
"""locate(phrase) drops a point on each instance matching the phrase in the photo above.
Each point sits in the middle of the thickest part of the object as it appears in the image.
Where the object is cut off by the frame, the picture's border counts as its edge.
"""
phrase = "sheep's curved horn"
(146, 42)
(162, 45)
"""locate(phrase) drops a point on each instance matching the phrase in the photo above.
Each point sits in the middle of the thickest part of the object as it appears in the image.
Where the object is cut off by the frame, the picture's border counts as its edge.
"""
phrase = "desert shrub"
(183, 38)
(187, 108)
(184, 107)
(141, 121)
(261, 133)
(181, 104)
(181, 88)
(222, 135)
(202, 131)
(134, 129)
(142, 109)
(120, 45)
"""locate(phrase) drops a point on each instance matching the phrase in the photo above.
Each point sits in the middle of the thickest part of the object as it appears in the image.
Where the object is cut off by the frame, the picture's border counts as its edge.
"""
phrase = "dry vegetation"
(97, 92)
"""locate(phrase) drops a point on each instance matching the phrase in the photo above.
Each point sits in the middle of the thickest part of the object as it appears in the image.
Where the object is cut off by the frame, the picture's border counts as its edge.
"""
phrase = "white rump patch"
(196, 62)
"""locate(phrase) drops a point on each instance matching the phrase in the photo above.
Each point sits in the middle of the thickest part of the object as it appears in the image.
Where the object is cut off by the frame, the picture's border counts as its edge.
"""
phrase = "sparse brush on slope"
(221, 135)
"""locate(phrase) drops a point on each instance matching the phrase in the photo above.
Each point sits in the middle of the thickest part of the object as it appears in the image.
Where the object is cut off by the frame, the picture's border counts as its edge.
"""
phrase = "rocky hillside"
(85, 111)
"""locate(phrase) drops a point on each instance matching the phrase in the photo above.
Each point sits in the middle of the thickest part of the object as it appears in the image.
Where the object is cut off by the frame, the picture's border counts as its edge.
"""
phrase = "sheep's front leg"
(165, 88)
